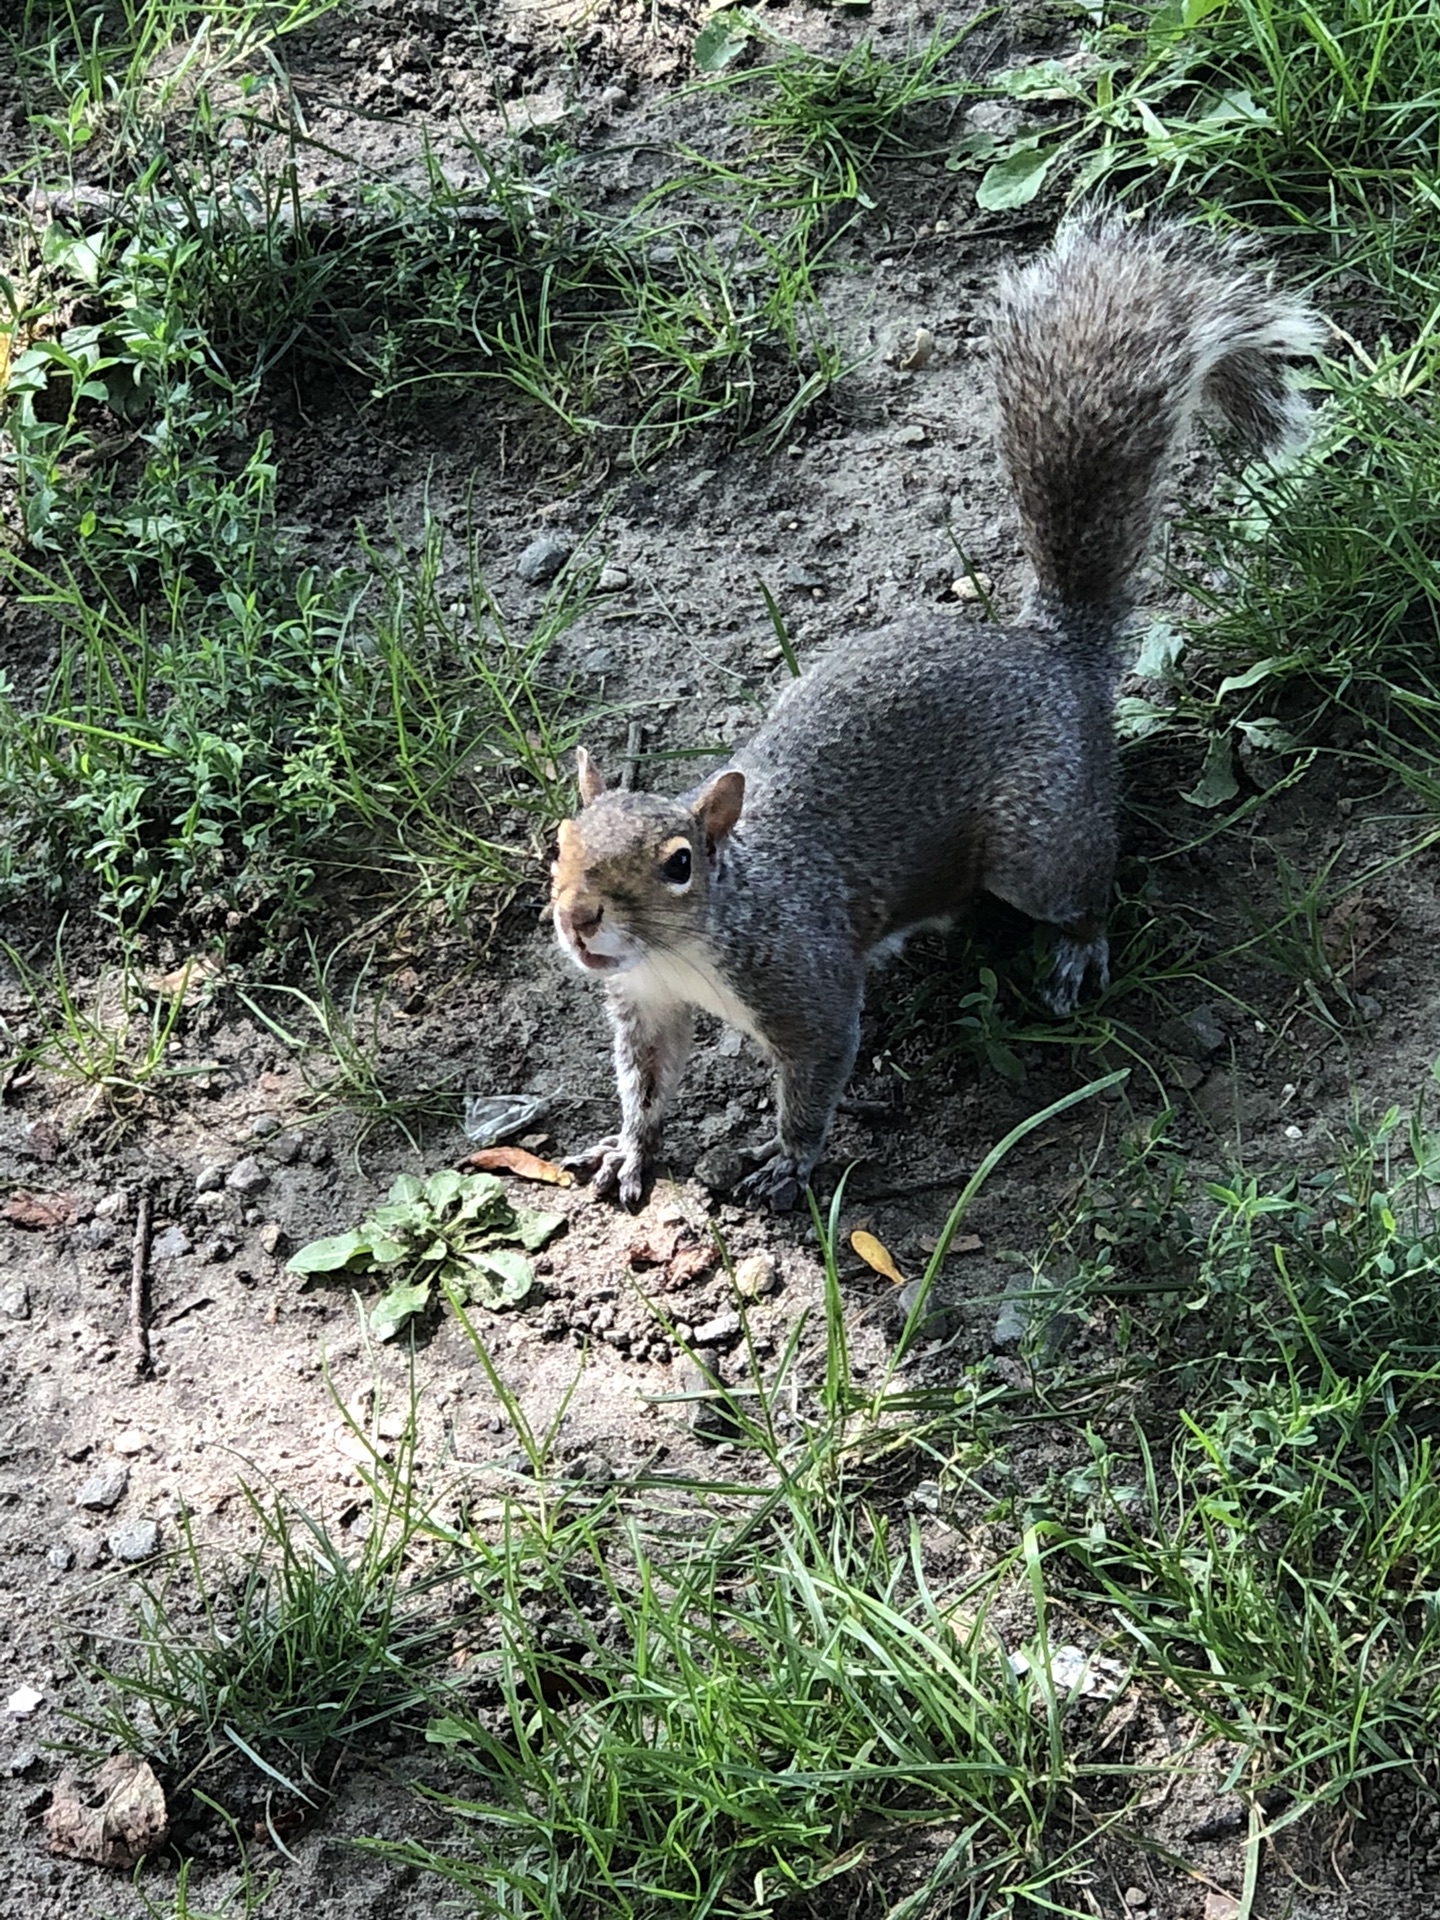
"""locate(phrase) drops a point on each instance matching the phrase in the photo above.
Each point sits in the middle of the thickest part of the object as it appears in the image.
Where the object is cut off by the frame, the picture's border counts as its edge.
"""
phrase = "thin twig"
(139, 1262)
(632, 755)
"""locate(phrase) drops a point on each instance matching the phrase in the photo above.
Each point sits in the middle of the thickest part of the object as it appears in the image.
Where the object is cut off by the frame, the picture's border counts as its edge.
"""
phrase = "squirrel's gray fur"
(911, 767)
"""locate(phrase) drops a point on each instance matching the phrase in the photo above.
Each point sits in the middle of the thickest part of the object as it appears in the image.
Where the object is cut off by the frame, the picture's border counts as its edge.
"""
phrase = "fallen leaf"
(525, 1166)
(188, 980)
(921, 349)
(652, 1253)
(114, 1820)
(966, 1243)
(38, 1211)
(876, 1255)
(1221, 1906)
(689, 1263)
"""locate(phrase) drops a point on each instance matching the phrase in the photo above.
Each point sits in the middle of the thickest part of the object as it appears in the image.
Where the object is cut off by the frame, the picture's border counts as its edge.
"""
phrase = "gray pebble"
(220, 1248)
(14, 1300)
(724, 1326)
(272, 1238)
(211, 1178)
(263, 1125)
(544, 557)
(137, 1540)
(60, 1557)
(97, 1233)
(933, 1320)
(170, 1244)
(720, 1169)
(612, 580)
(247, 1176)
(1195, 1035)
(285, 1148)
(106, 1486)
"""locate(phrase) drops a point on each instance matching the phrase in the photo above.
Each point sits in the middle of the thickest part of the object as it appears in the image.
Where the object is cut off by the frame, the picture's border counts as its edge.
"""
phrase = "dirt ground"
(854, 521)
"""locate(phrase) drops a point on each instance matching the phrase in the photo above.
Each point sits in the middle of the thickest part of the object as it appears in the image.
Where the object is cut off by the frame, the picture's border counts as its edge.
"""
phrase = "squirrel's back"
(1103, 348)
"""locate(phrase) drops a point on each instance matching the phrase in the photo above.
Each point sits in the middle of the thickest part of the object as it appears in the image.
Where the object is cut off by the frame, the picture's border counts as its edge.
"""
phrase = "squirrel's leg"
(651, 1048)
(1067, 889)
(810, 1081)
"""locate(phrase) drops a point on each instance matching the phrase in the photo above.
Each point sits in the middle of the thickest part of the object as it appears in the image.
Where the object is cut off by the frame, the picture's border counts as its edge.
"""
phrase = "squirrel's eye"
(677, 868)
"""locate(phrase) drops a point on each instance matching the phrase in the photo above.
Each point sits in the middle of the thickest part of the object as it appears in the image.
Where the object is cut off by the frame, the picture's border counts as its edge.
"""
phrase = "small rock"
(272, 1237)
(114, 1206)
(263, 1125)
(911, 437)
(544, 557)
(755, 1275)
(724, 1326)
(90, 1553)
(1136, 1897)
(933, 1320)
(1195, 1035)
(219, 1249)
(105, 1488)
(23, 1702)
(211, 1178)
(170, 1244)
(97, 1233)
(14, 1300)
(247, 1176)
(613, 99)
(712, 1417)
(612, 580)
(971, 586)
(137, 1540)
(24, 1760)
(285, 1148)
(720, 1169)
(61, 1558)
(131, 1441)
(797, 575)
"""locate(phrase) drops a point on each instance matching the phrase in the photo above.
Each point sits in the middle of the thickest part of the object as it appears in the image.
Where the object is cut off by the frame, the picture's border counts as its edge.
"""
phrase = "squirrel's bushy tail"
(1103, 349)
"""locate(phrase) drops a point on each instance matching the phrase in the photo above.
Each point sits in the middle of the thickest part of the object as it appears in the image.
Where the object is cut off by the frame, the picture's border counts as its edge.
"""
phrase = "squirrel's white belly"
(666, 980)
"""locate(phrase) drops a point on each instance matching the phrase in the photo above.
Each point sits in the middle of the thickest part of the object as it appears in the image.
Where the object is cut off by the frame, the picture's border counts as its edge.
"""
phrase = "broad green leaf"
(444, 1188)
(386, 1253)
(1015, 180)
(500, 1278)
(446, 1732)
(1217, 782)
(1159, 650)
(720, 41)
(329, 1255)
(399, 1305)
(406, 1187)
(532, 1229)
(970, 150)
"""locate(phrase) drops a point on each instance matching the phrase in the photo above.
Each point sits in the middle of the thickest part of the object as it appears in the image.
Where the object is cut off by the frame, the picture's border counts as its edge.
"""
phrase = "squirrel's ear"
(592, 781)
(718, 803)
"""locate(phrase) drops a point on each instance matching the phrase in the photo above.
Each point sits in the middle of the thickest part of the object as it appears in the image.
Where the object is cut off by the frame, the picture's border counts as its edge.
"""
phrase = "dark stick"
(139, 1260)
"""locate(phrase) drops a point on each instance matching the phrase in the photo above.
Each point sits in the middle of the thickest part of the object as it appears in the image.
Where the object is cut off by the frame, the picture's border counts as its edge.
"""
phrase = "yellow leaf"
(876, 1255)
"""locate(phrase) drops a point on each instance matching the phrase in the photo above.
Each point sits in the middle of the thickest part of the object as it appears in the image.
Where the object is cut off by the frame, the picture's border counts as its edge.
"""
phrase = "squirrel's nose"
(582, 921)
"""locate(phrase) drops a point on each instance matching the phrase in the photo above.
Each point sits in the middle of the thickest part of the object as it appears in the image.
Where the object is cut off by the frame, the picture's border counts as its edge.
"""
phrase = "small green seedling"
(455, 1229)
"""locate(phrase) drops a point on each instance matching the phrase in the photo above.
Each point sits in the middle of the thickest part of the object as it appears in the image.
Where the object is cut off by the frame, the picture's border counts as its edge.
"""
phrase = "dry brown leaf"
(919, 352)
(525, 1166)
(966, 1243)
(1221, 1906)
(187, 979)
(114, 1820)
(876, 1254)
(658, 1252)
(689, 1263)
(38, 1211)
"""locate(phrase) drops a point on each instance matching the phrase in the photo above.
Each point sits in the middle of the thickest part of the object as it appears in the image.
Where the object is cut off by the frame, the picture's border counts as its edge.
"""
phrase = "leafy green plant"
(454, 1235)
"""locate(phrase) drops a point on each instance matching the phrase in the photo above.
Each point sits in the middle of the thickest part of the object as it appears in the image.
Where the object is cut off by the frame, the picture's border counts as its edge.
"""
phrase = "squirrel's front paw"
(1073, 963)
(614, 1168)
(778, 1183)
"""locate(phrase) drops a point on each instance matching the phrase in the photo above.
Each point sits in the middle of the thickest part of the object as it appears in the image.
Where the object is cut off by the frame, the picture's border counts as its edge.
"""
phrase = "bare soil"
(855, 520)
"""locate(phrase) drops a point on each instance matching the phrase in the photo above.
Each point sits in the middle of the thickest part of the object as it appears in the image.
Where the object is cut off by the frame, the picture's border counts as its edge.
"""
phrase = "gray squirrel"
(912, 767)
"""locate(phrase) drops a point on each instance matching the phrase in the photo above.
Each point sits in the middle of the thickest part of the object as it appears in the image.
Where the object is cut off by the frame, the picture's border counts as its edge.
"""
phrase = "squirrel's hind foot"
(777, 1183)
(1073, 962)
(614, 1167)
